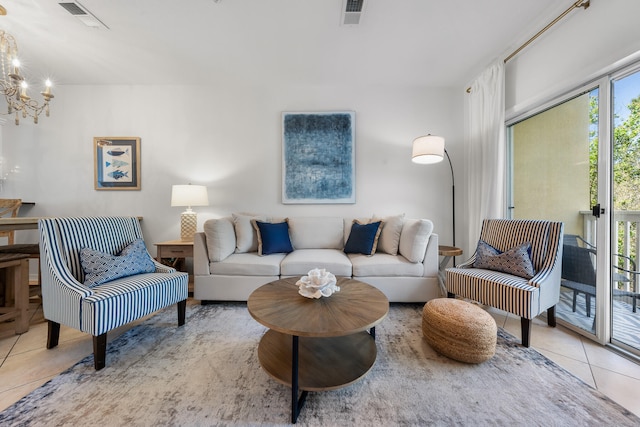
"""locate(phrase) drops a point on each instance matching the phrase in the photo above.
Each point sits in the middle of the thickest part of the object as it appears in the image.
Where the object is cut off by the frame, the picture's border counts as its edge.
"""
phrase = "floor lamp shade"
(189, 195)
(429, 149)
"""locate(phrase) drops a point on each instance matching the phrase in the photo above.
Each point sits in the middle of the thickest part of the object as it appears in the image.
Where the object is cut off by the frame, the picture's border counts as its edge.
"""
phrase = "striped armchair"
(523, 297)
(99, 309)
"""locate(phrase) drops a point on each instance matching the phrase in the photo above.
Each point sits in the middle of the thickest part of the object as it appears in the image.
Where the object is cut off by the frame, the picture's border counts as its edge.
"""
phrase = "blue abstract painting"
(318, 157)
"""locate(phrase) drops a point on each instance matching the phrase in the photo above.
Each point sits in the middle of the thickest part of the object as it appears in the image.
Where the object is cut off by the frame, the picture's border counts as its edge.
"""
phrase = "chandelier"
(14, 86)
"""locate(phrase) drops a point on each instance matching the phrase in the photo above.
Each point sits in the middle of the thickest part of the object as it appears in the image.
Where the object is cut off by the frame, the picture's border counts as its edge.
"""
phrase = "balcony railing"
(626, 228)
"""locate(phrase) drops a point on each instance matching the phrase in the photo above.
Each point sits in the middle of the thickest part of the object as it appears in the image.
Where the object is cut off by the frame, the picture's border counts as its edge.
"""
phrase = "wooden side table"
(16, 293)
(174, 253)
(447, 252)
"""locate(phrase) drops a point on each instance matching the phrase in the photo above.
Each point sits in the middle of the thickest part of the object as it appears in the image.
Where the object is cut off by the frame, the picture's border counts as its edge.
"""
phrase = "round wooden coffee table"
(317, 344)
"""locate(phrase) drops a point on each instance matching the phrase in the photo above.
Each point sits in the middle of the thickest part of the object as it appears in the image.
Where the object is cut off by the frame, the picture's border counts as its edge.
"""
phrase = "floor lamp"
(430, 149)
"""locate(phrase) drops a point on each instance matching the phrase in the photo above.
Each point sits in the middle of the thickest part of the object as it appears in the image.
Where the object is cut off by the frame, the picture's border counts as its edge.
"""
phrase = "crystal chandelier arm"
(13, 85)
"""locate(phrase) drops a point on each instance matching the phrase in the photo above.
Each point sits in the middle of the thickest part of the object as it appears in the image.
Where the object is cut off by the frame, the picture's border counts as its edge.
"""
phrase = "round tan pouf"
(459, 330)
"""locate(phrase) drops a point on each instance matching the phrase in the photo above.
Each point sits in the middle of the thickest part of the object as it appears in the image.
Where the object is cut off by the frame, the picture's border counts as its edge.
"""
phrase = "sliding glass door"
(577, 160)
(554, 176)
(625, 295)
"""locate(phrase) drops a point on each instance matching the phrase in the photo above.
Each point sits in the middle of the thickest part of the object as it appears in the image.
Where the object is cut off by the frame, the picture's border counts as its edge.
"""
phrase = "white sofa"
(227, 266)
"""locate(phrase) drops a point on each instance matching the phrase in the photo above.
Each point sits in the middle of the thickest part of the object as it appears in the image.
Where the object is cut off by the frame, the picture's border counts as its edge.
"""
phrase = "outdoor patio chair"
(579, 273)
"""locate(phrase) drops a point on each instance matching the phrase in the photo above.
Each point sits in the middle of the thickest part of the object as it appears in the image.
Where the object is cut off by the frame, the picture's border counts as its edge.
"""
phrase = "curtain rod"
(580, 3)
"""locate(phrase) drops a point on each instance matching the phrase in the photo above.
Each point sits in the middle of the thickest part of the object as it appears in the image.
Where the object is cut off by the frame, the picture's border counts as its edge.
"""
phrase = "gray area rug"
(207, 373)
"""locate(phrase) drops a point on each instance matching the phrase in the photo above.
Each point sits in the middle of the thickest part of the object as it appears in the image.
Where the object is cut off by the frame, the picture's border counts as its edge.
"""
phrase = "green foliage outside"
(626, 164)
(626, 160)
(593, 148)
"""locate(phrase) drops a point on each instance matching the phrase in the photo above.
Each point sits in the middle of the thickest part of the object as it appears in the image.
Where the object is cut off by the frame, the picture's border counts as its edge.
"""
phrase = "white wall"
(229, 139)
(577, 49)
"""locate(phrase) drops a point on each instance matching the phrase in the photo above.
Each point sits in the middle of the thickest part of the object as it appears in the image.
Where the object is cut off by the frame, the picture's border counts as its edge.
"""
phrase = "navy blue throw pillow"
(363, 238)
(273, 238)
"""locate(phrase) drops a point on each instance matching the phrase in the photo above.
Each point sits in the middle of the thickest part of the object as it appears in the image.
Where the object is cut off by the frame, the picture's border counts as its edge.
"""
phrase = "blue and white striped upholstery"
(104, 307)
(522, 297)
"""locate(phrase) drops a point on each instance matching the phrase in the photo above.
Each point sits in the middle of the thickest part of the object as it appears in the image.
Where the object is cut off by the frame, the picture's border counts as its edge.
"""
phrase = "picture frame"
(318, 157)
(116, 163)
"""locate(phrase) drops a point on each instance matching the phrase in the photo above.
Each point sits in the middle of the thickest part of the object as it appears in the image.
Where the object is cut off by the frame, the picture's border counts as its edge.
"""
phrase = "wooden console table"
(24, 223)
(19, 223)
(16, 291)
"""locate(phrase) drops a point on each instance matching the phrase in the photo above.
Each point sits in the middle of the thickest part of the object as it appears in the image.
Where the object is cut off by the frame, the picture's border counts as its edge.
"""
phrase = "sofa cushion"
(414, 239)
(100, 267)
(220, 238)
(300, 261)
(273, 238)
(390, 235)
(316, 233)
(516, 261)
(248, 264)
(246, 237)
(384, 265)
(363, 238)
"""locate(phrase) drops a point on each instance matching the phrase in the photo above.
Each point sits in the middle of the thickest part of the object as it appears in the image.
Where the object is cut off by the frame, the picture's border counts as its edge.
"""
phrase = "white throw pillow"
(390, 236)
(414, 238)
(316, 232)
(220, 237)
(246, 237)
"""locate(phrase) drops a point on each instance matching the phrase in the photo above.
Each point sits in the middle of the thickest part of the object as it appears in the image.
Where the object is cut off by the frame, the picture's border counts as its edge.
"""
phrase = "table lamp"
(189, 195)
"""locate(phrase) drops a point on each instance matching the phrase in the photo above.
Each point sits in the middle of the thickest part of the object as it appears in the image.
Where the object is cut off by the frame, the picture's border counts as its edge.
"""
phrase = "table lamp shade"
(189, 195)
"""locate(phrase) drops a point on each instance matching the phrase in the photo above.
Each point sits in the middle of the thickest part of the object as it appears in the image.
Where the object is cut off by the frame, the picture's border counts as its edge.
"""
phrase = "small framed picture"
(117, 163)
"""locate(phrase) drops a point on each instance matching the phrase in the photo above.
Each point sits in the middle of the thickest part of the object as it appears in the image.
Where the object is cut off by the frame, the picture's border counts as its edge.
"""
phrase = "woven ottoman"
(459, 330)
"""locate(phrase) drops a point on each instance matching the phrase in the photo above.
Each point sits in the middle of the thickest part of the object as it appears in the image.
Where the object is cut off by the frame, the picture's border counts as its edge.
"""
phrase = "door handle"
(596, 210)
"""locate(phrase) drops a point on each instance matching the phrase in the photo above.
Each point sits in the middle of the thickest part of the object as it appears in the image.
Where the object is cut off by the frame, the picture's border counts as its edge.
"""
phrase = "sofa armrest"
(53, 266)
(161, 268)
(430, 261)
(468, 263)
(62, 294)
(548, 279)
(200, 255)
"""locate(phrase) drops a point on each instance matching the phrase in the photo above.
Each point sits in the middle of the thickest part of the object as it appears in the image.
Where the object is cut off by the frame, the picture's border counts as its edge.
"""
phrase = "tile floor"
(25, 363)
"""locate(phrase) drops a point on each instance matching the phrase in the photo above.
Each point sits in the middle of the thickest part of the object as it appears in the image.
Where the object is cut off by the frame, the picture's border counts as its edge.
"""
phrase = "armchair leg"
(53, 335)
(182, 309)
(551, 316)
(99, 351)
(525, 327)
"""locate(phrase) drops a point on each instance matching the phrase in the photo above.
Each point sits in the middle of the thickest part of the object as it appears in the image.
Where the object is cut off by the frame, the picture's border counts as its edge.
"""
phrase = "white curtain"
(485, 145)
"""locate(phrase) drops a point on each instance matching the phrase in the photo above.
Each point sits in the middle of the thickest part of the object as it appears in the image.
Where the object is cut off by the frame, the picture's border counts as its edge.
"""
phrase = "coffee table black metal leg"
(296, 403)
(372, 332)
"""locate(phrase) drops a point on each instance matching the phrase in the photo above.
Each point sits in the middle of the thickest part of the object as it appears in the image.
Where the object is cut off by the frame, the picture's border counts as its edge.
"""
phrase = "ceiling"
(271, 42)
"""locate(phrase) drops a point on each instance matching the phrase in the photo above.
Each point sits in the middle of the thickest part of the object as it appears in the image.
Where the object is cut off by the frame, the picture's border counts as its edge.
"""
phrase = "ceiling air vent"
(81, 12)
(353, 10)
